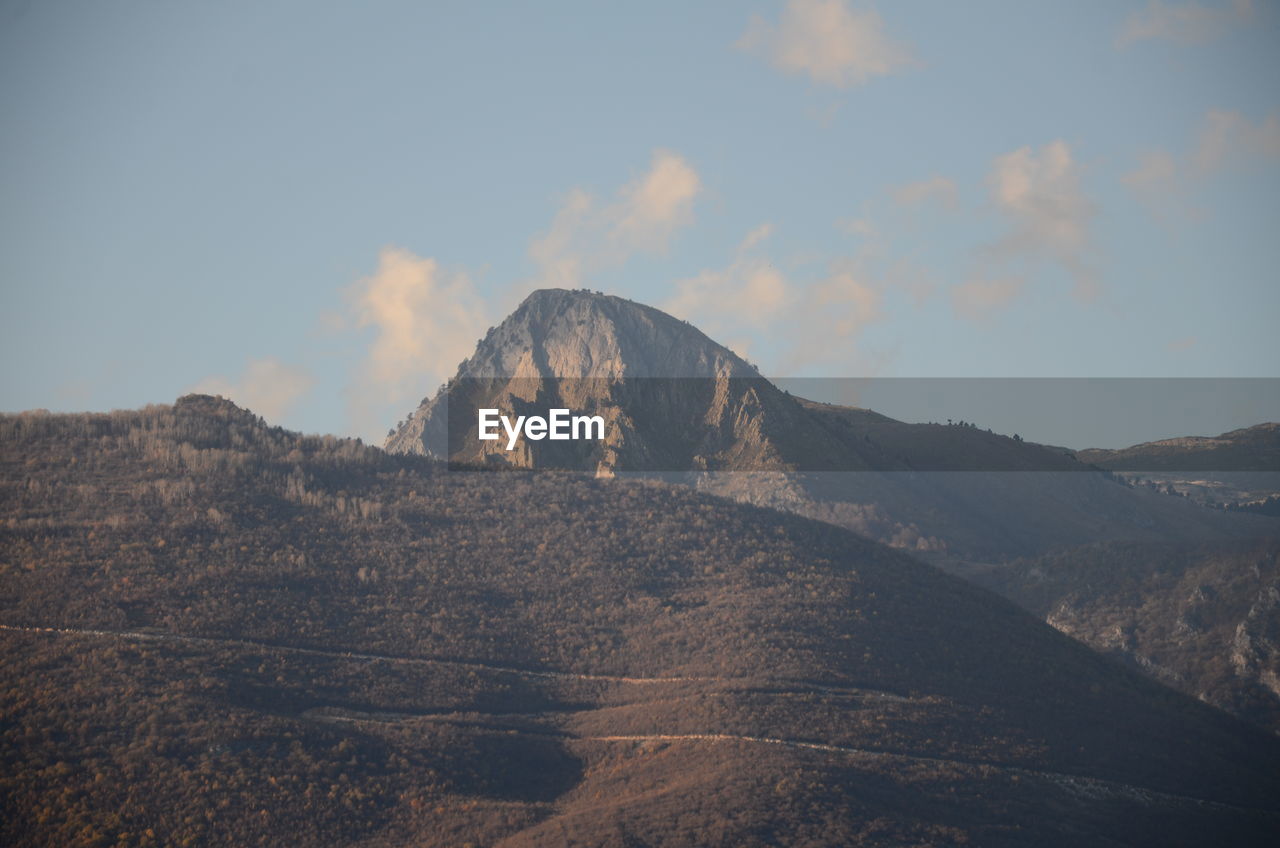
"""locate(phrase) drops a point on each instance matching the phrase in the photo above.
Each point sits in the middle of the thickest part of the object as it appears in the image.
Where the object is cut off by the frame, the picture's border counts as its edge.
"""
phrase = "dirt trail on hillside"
(781, 688)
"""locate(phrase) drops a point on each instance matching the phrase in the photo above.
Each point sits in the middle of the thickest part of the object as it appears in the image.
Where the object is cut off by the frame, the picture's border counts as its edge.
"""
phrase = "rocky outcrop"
(1204, 619)
(1255, 650)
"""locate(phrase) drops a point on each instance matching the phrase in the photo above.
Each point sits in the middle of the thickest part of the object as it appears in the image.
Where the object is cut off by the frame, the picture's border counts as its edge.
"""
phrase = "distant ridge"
(1255, 448)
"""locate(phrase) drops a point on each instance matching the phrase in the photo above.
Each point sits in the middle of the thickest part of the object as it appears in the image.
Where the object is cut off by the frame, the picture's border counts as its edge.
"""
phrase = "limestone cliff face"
(672, 398)
(573, 334)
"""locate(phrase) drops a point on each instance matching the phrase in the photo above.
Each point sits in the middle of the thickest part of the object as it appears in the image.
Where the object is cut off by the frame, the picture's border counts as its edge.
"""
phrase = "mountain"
(672, 397)
(967, 500)
(218, 632)
(676, 401)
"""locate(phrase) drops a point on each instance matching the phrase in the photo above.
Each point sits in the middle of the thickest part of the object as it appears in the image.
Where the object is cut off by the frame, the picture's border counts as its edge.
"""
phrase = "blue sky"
(317, 208)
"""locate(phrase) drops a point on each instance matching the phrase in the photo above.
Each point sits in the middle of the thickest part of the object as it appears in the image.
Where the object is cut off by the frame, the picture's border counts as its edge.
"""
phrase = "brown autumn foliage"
(306, 641)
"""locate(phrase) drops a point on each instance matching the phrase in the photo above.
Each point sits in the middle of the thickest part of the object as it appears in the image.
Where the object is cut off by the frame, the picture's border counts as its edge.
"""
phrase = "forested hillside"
(220, 632)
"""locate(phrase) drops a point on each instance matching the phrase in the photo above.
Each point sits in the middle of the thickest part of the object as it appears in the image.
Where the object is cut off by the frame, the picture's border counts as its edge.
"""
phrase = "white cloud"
(586, 235)
(939, 189)
(1183, 23)
(1040, 194)
(267, 387)
(977, 298)
(654, 206)
(826, 39)
(426, 321)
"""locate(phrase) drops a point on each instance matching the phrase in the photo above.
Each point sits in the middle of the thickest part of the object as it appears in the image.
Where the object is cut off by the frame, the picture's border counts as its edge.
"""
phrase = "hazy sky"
(318, 208)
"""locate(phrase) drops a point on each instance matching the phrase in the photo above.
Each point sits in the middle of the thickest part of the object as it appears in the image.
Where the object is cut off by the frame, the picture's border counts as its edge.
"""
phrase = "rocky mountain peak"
(685, 400)
(559, 333)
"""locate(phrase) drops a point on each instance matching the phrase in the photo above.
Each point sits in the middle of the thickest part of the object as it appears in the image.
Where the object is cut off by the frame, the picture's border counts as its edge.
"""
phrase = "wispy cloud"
(914, 280)
(267, 387)
(827, 322)
(749, 291)
(1160, 183)
(1040, 195)
(1225, 140)
(941, 190)
(846, 299)
(425, 321)
(645, 214)
(756, 236)
(834, 44)
(861, 227)
(806, 322)
(1183, 23)
(1157, 169)
(978, 298)
(1229, 137)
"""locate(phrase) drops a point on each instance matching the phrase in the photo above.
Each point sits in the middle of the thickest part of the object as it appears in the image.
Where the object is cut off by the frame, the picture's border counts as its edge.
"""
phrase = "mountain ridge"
(1250, 449)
